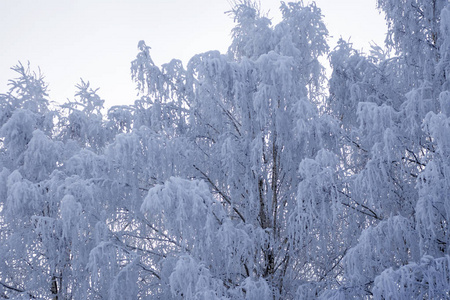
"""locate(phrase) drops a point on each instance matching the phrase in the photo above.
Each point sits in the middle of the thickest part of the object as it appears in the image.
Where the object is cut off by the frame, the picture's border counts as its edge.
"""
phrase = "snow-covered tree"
(83, 120)
(396, 127)
(239, 176)
(252, 124)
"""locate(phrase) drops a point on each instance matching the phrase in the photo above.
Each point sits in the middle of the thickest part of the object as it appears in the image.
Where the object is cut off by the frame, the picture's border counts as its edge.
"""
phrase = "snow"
(245, 175)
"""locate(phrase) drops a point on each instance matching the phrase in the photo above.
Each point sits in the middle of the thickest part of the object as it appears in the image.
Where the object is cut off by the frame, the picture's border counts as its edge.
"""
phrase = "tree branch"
(15, 289)
(225, 197)
(371, 212)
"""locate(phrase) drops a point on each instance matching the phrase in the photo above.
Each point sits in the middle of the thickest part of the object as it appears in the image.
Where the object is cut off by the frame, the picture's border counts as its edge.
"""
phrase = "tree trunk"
(54, 288)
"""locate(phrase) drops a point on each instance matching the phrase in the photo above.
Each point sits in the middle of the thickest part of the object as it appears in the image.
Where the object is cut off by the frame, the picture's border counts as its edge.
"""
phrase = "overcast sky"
(97, 39)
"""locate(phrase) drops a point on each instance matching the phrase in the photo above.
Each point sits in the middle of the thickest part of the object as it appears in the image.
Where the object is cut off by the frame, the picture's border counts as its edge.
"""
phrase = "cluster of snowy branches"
(246, 175)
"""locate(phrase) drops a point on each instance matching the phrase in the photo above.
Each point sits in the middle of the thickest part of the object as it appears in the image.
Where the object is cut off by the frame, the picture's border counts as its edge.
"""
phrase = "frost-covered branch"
(224, 196)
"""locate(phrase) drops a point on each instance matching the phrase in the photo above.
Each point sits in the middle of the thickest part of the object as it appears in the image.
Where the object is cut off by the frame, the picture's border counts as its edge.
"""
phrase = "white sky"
(97, 39)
